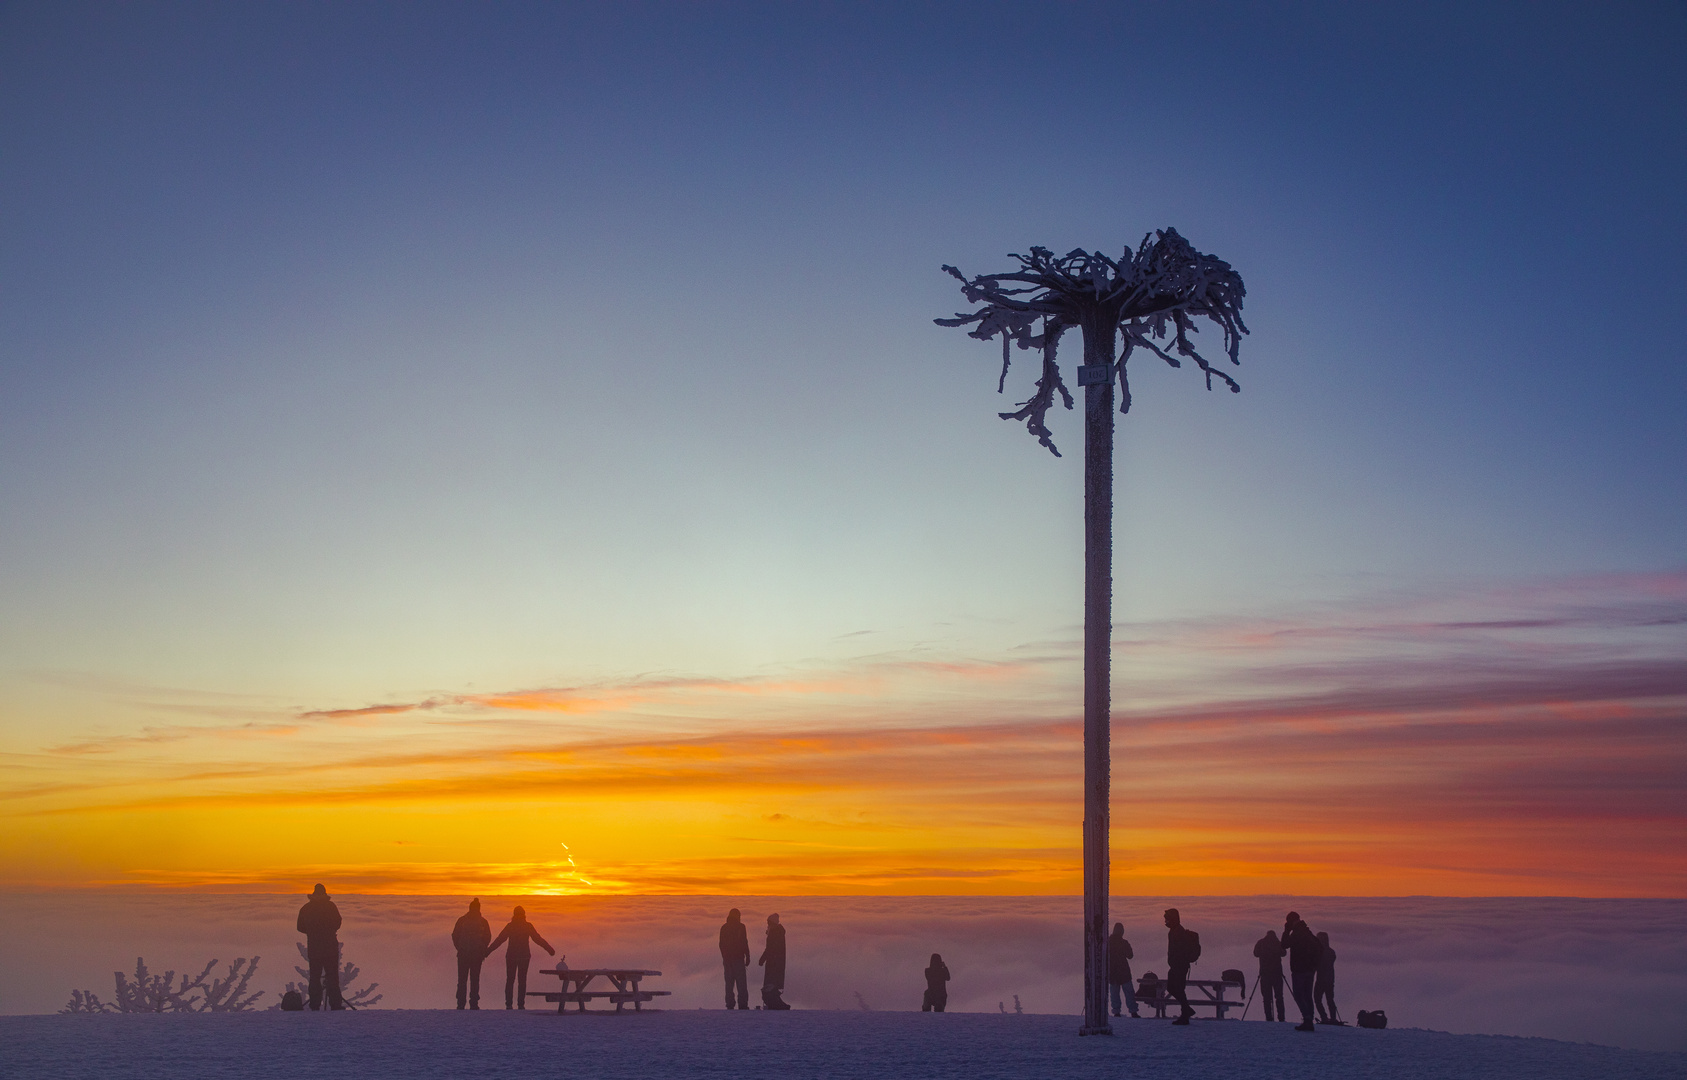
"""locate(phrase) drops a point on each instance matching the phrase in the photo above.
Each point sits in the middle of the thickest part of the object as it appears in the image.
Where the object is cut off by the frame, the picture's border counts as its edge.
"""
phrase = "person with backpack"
(1271, 952)
(470, 936)
(519, 932)
(1304, 953)
(1183, 948)
(1119, 956)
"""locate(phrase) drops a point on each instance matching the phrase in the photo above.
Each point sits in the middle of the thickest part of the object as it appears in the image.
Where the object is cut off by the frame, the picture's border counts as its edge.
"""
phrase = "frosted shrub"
(146, 991)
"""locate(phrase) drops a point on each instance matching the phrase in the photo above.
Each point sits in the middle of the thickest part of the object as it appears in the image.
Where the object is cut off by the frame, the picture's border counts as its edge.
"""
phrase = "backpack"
(292, 1001)
(1188, 946)
(1376, 1019)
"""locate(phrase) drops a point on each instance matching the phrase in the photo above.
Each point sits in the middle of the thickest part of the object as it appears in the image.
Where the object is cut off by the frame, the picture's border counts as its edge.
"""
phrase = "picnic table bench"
(574, 981)
(1211, 993)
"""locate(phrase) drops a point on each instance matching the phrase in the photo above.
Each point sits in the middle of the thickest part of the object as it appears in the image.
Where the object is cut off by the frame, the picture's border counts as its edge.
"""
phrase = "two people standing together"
(473, 939)
(735, 960)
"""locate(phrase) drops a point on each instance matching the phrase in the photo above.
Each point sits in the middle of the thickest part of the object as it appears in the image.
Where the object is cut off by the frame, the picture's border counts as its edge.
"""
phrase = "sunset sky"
(507, 448)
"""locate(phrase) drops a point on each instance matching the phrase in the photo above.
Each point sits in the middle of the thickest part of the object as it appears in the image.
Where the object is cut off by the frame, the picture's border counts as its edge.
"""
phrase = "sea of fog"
(1602, 971)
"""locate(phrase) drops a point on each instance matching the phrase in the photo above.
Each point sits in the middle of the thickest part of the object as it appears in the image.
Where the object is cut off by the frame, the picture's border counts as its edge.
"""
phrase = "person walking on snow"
(516, 958)
(1119, 956)
(1304, 951)
(1271, 952)
(735, 958)
(471, 936)
(1183, 948)
(319, 922)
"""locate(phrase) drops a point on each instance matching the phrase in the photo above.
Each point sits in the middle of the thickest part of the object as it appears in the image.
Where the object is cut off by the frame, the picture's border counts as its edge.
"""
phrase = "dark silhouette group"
(1312, 973)
(1311, 976)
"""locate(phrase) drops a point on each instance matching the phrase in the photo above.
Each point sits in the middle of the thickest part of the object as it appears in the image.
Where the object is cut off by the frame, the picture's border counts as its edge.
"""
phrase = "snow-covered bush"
(149, 992)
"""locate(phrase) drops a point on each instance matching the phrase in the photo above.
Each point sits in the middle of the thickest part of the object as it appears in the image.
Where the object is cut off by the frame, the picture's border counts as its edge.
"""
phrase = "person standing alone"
(319, 922)
(516, 958)
(773, 962)
(735, 958)
(1304, 954)
(1270, 952)
(937, 986)
(1183, 948)
(1119, 956)
(471, 936)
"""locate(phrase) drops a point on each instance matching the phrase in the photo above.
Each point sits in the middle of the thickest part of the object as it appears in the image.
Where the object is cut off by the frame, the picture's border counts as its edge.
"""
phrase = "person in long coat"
(1119, 957)
(735, 959)
(471, 936)
(772, 961)
(516, 958)
(319, 922)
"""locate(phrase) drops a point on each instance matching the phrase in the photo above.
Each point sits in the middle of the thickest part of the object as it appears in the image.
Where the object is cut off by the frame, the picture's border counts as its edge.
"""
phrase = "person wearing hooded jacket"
(1271, 952)
(319, 922)
(1304, 954)
(772, 960)
(1119, 956)
(735, 959)
(471, 936)
(519, 932)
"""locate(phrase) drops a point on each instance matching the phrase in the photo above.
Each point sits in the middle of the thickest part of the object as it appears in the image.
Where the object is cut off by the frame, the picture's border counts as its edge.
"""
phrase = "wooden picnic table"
(1211, 993)
(574, 982)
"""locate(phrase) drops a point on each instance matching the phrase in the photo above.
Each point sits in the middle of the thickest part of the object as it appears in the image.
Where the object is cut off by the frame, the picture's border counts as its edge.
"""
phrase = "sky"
(507, 447)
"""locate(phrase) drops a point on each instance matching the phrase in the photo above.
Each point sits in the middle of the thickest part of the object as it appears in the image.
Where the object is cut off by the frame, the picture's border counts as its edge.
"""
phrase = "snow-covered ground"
(780, 1046)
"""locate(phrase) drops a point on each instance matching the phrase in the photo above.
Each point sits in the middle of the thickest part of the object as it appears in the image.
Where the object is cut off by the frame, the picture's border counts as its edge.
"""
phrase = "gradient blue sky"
(356, 353)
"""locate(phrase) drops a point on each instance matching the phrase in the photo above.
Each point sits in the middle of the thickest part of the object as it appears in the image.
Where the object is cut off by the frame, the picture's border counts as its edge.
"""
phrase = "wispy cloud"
(1524, 740)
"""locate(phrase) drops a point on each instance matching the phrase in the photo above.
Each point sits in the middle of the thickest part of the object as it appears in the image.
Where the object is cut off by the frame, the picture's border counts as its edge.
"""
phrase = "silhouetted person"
(1324, 985)
(773, 961)
(516, 958)
(1304, 950)
(735, 958)
(1271, 952)
(1119, 956)
(319, 922)
(1183, 948)
(937, 986)
(471, 936)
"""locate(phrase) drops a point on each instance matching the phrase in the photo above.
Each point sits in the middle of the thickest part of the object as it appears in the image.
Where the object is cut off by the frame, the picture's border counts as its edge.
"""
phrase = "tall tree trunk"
(1099, 333)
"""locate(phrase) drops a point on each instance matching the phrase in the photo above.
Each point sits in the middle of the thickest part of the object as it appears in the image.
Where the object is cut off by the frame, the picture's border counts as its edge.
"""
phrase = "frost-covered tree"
(1149, 299)
(349, 973)
(147, 991)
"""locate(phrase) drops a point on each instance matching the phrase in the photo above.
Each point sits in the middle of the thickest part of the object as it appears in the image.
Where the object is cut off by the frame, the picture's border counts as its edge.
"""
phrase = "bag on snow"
(1375, 1019)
